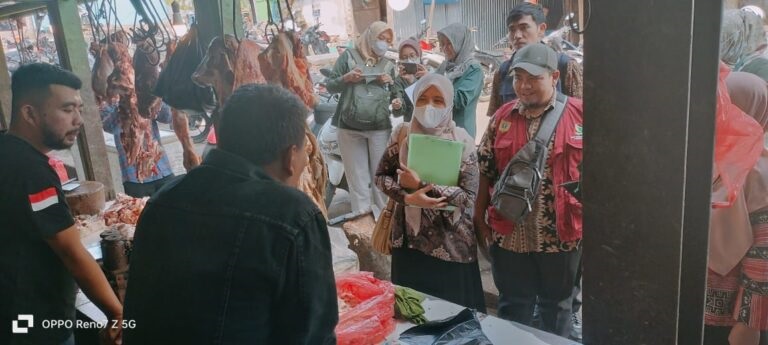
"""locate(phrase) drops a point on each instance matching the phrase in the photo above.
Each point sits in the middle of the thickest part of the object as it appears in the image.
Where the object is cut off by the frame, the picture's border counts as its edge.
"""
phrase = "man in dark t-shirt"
(41, 257)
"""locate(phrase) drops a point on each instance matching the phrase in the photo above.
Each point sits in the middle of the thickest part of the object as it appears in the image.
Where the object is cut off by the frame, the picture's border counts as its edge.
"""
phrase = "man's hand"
(87, 273)
(353, 77)
(112, 335)
(482, 231)
(408, 178)
(191, 160)
(420, 199)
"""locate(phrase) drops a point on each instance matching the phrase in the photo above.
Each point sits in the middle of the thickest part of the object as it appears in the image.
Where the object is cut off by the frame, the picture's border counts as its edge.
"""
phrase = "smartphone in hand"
(410, 67)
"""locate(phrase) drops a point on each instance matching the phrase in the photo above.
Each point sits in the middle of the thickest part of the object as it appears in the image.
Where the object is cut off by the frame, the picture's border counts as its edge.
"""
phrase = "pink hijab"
(731, 234)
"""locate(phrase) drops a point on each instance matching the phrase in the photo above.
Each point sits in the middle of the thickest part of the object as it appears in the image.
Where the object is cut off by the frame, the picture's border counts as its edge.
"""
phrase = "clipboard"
(436, 160)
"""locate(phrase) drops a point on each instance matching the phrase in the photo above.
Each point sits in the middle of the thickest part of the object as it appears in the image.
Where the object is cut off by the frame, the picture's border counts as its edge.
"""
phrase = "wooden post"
(581, 11)
(647, 169)
(5, 91)
(73, 51)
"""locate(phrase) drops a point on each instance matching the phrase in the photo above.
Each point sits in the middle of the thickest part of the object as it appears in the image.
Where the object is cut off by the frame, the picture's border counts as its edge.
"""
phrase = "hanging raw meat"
(146, 61)
(216, 69)
(247, 69)
(169, 53)
(284, 63)
(315, 175)
(102, 68)
(140, 148)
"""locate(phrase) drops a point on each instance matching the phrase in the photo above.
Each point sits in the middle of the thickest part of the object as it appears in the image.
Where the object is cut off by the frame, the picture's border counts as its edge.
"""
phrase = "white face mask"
(429, 116)
(380, 48)
(413, 60)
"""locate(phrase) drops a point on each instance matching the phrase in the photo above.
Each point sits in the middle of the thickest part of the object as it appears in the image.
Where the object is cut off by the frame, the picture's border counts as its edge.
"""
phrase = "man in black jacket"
(526, 23)
(233, 253)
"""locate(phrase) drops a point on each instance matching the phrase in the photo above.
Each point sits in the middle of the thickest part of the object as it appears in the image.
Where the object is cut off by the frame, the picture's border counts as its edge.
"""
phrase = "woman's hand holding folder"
(419, 198)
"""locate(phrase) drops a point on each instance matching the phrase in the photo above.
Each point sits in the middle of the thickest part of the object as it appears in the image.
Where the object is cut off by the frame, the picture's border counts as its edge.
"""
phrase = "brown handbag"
(382, 232)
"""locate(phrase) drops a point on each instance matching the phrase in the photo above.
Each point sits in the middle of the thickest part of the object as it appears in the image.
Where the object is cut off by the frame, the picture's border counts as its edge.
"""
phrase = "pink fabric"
(730, 234)
(738, 143)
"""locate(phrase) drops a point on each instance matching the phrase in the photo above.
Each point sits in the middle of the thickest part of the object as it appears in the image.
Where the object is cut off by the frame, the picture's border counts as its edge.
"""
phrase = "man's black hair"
(259, 122)
(32, 82)
(526, 9)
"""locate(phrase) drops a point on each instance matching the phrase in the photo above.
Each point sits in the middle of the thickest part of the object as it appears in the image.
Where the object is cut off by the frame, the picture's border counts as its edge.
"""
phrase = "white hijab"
(446, 129)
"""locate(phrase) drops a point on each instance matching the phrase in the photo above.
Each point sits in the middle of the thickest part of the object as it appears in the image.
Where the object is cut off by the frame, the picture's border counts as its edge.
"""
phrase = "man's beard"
(534, 105)
(54, 142)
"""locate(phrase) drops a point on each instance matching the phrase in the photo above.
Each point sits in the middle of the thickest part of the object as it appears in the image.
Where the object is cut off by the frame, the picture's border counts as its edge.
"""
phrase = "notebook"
(436, 160)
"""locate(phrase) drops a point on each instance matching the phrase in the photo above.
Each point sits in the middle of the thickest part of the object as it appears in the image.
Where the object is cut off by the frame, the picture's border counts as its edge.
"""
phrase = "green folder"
(436, 160)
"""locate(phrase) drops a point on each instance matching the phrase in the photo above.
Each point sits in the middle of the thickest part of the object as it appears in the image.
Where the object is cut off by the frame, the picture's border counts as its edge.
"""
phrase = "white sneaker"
(576, 326)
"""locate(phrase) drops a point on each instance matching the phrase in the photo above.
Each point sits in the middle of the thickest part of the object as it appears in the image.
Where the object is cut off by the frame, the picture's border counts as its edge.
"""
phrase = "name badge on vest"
(578, 131)
(504, 126)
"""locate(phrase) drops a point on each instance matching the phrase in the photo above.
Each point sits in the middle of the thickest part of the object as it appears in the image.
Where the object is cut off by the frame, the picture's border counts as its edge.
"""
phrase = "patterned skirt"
(742, 294)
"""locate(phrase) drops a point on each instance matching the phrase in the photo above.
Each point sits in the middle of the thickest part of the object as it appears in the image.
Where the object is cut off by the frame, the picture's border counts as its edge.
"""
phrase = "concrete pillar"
(5, 91)
(216, 17)
(698, 180)
(73, 50)
(649, 119)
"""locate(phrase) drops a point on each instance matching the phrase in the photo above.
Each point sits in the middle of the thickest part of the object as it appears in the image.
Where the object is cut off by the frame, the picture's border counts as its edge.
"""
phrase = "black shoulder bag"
(518, 187)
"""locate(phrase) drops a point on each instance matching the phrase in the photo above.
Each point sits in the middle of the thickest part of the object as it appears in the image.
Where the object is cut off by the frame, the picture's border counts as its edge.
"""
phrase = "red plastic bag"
(738, 144)
(370, 317)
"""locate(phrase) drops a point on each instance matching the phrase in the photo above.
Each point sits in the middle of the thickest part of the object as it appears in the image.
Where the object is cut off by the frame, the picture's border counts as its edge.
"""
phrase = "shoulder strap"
(549, 123)
(562, 65)
(504, 68)
(402, 134)
(356, 56)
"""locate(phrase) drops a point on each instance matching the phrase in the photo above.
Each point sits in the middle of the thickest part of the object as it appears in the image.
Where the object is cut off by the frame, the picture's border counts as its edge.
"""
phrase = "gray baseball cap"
(536, 59)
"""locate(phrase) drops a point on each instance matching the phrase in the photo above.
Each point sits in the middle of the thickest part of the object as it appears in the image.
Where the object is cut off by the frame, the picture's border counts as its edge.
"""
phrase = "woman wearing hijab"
(433, 251)
(743, 43)
(737, 303)
(363, 77)
(410, 53)
(464, 71)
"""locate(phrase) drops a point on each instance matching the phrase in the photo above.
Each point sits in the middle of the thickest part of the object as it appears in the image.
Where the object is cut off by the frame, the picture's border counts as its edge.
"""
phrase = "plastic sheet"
(462, 329)
(738, 144)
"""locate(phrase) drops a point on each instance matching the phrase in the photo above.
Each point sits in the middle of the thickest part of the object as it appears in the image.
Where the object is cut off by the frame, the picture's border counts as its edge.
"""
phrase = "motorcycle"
(315, 38)
(557, 40)
(199, 126)
(319, 123)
